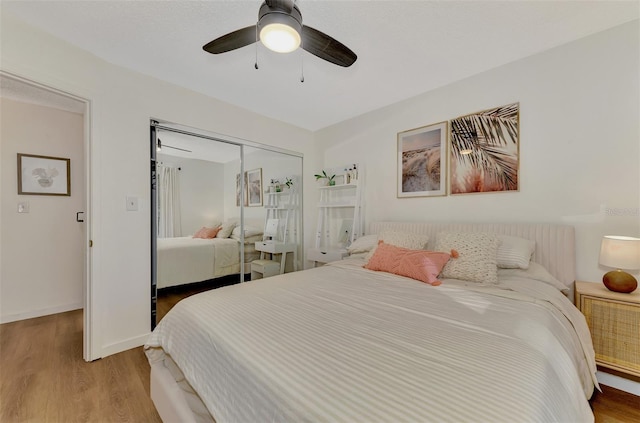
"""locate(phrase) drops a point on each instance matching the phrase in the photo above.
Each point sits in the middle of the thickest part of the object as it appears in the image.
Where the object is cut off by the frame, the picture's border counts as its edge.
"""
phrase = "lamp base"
(619, 281)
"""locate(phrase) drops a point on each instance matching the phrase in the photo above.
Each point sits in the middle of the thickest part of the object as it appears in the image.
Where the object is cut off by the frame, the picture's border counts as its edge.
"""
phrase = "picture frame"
(485, 151)
(245, 201)
(254, 187)
(422, 161)
(43, 175)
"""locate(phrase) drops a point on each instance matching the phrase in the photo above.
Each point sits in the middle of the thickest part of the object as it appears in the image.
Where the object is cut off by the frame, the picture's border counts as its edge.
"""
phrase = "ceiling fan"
(280, 29)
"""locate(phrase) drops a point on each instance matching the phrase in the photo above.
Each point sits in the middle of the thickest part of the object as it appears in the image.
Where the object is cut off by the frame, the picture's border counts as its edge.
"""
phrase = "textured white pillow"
(514, 252)
(227, 228)
(363, 244)
(477, 256)
(408, 240)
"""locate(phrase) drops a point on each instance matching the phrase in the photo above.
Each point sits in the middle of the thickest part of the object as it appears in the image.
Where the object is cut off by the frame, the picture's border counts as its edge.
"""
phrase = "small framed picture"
(422, 161)
(245, 202)
(43, 175)
(254, 187)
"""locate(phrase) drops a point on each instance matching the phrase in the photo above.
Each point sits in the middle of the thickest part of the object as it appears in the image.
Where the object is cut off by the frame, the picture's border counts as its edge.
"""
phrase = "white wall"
(201, 192)
(42, 251)
(579, 143)
(122, 103)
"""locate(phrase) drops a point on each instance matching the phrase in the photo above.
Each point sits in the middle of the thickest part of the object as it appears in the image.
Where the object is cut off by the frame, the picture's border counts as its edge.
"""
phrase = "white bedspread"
(341, 343)
(186, 259)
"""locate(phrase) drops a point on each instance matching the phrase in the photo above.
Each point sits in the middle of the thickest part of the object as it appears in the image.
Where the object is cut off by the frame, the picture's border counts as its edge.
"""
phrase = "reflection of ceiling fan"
(280, 29)
(160, 146)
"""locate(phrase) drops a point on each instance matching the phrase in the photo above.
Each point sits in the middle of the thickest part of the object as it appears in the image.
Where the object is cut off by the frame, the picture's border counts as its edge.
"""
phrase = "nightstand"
(264, 268)
(614, 321)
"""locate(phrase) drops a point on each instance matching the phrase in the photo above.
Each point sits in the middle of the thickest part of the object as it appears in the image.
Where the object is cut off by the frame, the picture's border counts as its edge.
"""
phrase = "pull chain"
(256, 64)
(301, 64)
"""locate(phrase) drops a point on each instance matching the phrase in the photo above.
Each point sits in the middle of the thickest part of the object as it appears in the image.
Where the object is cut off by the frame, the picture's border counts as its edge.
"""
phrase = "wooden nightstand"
(614, 321)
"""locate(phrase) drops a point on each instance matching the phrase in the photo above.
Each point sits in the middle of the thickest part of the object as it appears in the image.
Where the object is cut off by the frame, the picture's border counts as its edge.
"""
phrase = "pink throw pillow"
(421, 265)
(211, 232)
(199, 233)
(207, 233)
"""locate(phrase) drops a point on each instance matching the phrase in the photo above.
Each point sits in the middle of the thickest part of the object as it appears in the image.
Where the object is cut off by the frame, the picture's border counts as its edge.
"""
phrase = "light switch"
(23, 207)
(132, 203)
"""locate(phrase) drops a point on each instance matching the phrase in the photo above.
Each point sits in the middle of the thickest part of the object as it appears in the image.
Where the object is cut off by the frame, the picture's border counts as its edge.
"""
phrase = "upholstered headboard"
(555, 244)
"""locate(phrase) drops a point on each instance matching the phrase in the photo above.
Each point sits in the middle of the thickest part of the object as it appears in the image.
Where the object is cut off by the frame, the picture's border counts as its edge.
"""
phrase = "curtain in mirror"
(169, 220)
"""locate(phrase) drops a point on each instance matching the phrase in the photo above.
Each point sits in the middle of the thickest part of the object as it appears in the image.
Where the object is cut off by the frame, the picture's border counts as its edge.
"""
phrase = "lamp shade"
(620, 252)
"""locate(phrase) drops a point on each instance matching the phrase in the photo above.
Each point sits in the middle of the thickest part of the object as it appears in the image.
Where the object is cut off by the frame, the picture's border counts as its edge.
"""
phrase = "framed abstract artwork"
(254, 187)
(485, 150)
(43, 175)
(422, 161)
(245, 202)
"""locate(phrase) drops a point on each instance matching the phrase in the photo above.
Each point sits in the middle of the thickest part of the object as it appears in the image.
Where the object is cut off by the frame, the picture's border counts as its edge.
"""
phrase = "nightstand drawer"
(274, 247)
(326, 256)
(615, 331)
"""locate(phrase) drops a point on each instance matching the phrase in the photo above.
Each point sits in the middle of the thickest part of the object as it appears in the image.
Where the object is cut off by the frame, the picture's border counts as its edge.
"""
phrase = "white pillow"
(477, 256)
(363, 244)
(247, 240)
(535, 271)
(514, 252)
(227, 228)
(249, 231)
(408, 240)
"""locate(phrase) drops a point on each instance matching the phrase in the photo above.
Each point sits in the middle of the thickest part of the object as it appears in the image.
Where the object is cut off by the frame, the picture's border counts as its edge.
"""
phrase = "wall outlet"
(23, 207)
(132, 203)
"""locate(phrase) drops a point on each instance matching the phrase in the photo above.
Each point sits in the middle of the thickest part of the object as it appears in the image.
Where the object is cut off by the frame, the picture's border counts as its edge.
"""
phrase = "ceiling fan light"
(280, 37)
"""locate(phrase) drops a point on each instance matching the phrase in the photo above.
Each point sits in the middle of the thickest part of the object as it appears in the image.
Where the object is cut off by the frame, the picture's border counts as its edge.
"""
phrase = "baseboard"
(618, 382)
(8, 318)
(127, 344)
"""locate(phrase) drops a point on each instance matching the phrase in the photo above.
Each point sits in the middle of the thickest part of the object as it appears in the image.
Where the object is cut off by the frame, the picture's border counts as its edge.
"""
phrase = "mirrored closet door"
(219, 209)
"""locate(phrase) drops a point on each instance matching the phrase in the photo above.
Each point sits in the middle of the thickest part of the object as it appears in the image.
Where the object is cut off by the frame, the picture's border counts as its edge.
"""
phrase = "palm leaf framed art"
(485, 150)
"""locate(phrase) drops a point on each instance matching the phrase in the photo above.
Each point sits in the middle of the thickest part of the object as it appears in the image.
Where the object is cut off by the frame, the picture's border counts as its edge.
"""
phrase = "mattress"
(185, 260)
(342, 343)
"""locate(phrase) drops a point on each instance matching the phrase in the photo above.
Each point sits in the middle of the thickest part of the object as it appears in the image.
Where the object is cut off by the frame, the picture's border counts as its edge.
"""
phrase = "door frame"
(88, 341)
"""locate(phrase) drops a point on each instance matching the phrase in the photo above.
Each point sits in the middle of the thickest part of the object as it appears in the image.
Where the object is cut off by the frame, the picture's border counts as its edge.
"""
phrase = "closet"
(210, 200)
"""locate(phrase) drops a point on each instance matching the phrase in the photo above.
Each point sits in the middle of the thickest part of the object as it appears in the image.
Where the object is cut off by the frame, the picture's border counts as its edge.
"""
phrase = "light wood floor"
(44, 379)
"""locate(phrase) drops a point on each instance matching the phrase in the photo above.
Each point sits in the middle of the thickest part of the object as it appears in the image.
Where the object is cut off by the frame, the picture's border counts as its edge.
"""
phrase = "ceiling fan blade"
(176, 148)
(231, 41)
(327, 48)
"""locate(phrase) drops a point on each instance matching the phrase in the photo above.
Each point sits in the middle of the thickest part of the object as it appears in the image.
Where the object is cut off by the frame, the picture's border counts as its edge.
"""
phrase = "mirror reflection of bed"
(200, 242)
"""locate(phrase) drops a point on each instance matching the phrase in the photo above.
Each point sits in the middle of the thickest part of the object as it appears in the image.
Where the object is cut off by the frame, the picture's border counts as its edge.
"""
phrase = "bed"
(184, 260)
(344, 343)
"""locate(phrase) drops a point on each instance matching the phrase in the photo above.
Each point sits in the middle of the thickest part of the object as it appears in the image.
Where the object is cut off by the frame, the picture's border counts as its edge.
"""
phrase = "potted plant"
(288, 182)
(330, 179)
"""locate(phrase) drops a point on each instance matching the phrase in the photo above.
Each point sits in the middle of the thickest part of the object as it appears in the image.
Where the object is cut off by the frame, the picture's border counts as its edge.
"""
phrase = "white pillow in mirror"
(249, 231)
(227, 228)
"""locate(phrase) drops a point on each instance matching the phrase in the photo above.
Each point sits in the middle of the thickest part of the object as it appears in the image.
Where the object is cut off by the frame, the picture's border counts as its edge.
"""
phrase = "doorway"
(45, 256)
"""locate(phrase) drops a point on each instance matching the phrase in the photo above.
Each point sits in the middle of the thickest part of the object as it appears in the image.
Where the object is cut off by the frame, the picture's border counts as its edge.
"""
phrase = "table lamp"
(620, 252)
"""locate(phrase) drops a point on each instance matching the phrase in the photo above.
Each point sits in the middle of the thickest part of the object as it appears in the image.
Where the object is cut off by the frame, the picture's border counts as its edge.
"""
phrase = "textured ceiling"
(404, 48)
